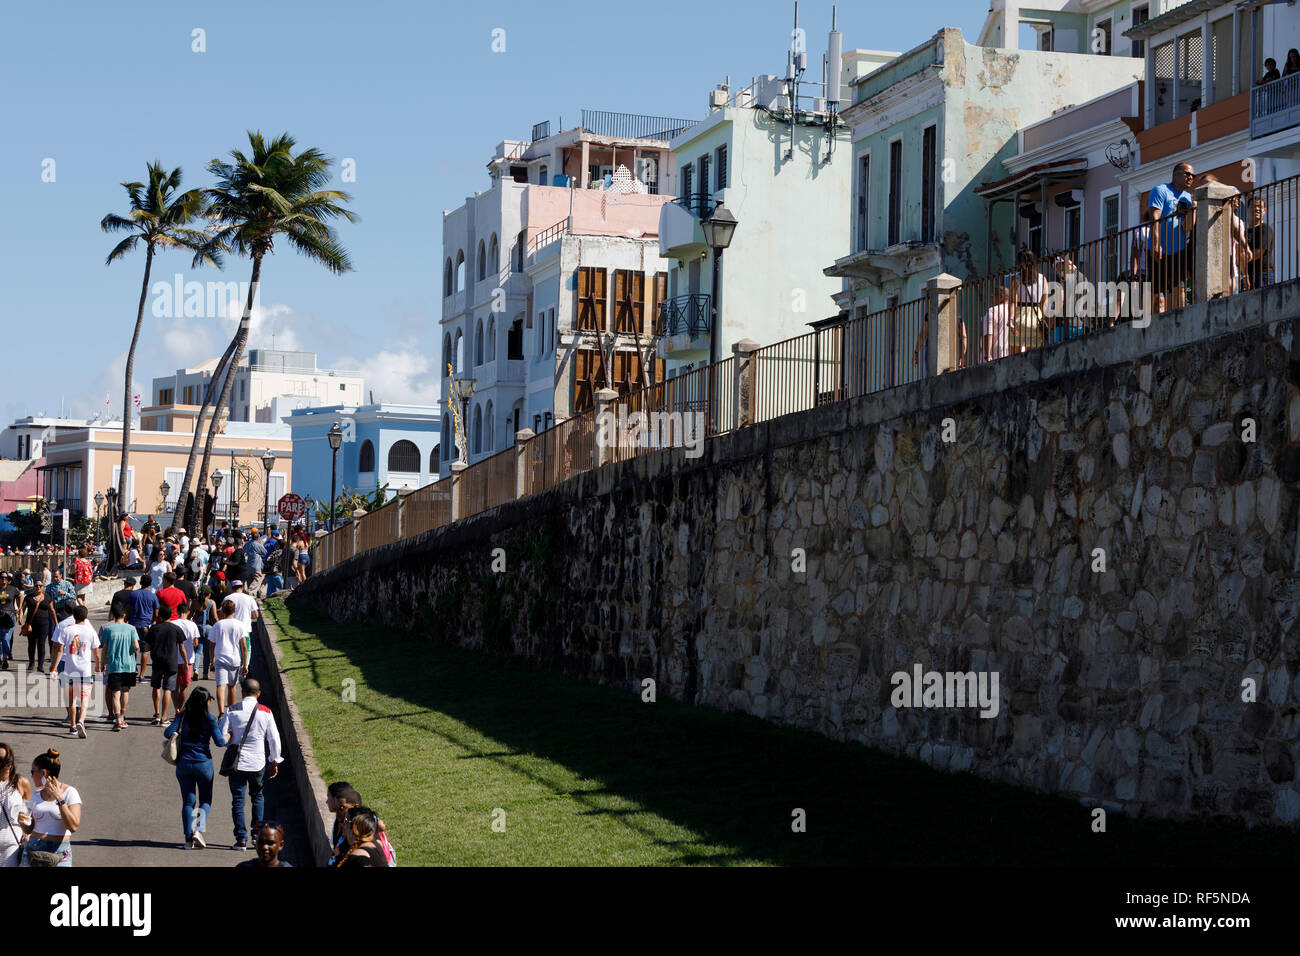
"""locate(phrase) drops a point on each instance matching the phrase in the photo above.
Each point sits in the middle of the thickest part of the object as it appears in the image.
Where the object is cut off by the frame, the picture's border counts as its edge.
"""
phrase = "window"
(1046, 39)
(540, 332)
(647, 170)
(1102, 33)
(482, 261)
(688, 182)
(1221, 61)
(494, 254)
(366, 457)
(446, 353)
(447, 274)
(515, 413)
(1109, 227)
(703, 172)
(490, 340)
(521, 243)
(929, 157)
(1163, 81)
(1189, 73)
(554, 339)
(864, 202)
(541, 175)
(458, 282)
(434, 457)
(490, 421)
(720, 160)
(460, 351)
(1140, 16)
(515, 339)
(1071, 235)
(165, 396)
(478, 343)
(592, 289)
(895, 191)
(629, 301)
(476, 435)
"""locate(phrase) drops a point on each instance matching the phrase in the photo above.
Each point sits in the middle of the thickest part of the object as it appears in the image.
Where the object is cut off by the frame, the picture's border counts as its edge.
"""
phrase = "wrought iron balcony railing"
(686, 314)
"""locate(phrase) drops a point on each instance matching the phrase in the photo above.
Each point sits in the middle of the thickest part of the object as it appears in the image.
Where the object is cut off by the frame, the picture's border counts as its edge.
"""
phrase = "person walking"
(362, 832)
(229, 655)
(207, 617)
(39, 620)
(252, 727)
(53, 814)
(79, 668)
(14, 791)
(11, 606)
(185, 662)
(165, 640)
(254, 562)
(246, 612)
(120, 643)
(141, 609)
(198, 728)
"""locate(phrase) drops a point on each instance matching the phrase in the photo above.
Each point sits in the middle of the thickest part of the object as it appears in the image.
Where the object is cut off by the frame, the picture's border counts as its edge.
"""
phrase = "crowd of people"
(187, 617)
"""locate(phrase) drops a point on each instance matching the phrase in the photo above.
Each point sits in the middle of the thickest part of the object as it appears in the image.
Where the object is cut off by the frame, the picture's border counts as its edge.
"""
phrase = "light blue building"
(384, 444)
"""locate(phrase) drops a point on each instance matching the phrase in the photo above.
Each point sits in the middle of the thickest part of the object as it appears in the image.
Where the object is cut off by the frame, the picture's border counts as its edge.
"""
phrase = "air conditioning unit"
(1069, 198)
(819, 104)
(718, 98)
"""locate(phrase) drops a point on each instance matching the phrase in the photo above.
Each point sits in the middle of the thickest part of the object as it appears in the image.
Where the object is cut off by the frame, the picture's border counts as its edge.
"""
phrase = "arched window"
(491, 428)
(478, 343)
(476, 440)
(460, 351)
(434, 457)
(366, 459)
(490, 342)
(446, 352)
(447, 278)
(494, 254)
(520, 244)
(482, 262)
(446, 430)
(459, 282)
(516, 416)
(404, 456)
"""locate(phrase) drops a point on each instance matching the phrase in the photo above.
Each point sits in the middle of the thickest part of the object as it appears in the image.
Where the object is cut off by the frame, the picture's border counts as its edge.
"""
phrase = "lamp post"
(99, 504)
(216, 488)
(309, 519)
(268, 462)
(462, 389)
(335, 437)
(718, 230)
(164, 489)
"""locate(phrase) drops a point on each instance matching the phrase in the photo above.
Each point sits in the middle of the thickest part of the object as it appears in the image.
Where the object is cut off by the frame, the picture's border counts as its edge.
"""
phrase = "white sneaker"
(81, 730)
(199, 842)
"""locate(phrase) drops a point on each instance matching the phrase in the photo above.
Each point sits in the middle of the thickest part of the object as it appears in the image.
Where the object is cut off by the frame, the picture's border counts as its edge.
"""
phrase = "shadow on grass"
(735, 780)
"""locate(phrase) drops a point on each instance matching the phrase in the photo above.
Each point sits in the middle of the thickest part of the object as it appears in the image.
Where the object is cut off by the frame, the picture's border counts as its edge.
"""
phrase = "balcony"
(633, 125)
(1275, 106)
(685, 315)
(680, 234)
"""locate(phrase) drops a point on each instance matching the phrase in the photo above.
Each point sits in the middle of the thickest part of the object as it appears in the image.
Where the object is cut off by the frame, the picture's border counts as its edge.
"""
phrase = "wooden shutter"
(588, 379)
(592, 292)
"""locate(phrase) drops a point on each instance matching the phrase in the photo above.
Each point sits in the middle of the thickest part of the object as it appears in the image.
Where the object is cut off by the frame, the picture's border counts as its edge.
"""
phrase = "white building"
(552, 276)
(261, 377)
(26, 439)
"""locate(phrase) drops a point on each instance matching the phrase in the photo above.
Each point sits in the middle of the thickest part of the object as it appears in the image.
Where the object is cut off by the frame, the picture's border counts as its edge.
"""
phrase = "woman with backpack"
(196, 727)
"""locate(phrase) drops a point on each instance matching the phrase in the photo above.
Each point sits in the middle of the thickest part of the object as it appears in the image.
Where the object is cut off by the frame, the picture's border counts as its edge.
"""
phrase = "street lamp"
(216, 489)
(335, 437)
(268, 462)
(166, 490)
(309, 504)
(718, 230)
(462, 389)
(99, 504)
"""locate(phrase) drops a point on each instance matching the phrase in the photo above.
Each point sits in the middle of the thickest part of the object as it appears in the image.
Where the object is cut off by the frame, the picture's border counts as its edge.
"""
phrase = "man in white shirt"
(245, 611)
(229, 654)
(187, 650)
(251, 727)
(81, 642)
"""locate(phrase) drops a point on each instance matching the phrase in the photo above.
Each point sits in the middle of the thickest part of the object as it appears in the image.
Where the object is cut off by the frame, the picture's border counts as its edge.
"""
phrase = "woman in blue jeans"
(194, 763)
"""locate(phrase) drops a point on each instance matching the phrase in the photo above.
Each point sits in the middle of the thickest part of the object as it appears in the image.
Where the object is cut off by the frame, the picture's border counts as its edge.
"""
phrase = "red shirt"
(83, 571)
(171, 597)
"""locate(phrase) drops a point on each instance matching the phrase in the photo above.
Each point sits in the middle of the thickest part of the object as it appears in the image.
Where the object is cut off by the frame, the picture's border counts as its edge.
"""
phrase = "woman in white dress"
(14, 791)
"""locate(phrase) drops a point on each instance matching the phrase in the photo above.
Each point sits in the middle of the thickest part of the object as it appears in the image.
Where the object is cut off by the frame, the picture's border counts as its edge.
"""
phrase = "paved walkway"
(131, 812)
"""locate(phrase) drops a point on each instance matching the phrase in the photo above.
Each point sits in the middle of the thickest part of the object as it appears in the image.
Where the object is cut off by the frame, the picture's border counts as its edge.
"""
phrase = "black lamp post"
(335, 437)
(268, 462)
(718, 230)
(164, 489)
(216, 488)
(462, 389)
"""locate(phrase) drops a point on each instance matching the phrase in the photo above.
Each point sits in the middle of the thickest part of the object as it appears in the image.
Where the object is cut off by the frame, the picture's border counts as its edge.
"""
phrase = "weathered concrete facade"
(1122, 687)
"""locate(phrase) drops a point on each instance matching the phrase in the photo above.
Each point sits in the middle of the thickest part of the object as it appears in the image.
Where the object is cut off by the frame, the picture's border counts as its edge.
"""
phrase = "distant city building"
(26, 438)
(263, 376)
(552, 275)
(383, 444)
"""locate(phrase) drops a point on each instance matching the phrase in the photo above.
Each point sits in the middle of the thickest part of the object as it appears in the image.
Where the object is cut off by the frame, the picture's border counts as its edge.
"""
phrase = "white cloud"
(405, 375)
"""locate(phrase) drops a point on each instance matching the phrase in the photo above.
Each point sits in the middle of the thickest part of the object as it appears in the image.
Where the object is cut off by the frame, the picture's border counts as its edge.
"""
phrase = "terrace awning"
(1043, 174)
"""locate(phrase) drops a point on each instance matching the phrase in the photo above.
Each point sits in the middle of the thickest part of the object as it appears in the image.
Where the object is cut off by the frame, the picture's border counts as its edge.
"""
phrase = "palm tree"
(159, 218)
(269, 193)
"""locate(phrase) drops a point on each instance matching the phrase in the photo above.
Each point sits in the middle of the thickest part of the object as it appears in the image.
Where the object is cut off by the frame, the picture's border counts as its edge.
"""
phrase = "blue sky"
(411, 91)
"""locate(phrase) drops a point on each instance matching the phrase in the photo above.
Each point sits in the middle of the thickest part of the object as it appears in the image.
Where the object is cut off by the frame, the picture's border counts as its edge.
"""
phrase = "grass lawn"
(439, 737)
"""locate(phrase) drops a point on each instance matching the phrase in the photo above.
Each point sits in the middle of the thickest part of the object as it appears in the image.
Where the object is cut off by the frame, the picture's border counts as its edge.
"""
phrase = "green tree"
(259, 197)
(160, 218)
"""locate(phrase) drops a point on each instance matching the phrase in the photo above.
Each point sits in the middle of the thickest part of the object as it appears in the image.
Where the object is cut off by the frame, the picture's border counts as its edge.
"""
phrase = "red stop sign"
(291, 507)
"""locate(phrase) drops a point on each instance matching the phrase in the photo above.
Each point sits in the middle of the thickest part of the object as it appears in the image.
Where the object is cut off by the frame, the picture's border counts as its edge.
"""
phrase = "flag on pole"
(108, 400)
(137, 401)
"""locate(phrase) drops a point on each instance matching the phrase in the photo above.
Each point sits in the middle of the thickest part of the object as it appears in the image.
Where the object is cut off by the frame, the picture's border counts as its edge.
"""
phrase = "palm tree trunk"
(222, 366)
(130, 372)
(241, 340)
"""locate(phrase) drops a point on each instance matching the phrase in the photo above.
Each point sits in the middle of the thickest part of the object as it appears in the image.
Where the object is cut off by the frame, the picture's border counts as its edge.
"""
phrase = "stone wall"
(1122, 687)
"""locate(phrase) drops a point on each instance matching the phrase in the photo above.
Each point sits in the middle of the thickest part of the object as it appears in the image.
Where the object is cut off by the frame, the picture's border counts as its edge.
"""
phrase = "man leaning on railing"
(1174, 217)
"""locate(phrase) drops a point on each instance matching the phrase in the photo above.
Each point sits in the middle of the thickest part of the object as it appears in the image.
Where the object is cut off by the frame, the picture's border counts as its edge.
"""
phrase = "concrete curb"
(297, 748)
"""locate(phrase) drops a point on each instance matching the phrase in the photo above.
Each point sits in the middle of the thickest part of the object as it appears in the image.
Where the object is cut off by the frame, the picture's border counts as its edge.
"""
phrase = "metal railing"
(1275, 106)
(686, 314)
(547, 236)
(1078, 291)
(633, 125)
(698, 205)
